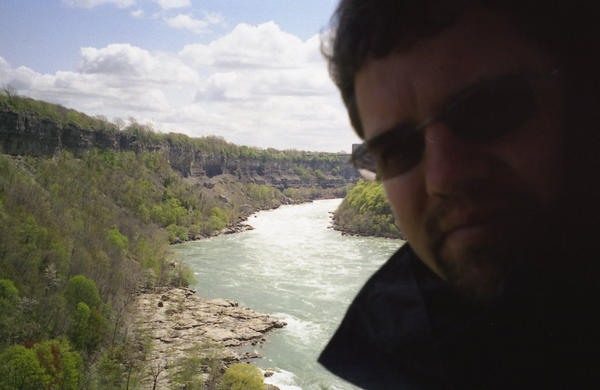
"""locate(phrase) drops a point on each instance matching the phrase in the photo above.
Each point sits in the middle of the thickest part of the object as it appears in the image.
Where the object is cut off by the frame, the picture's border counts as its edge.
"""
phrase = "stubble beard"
(478, 270)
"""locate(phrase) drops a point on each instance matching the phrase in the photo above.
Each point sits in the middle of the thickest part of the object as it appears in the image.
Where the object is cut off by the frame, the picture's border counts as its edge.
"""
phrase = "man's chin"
(477, 272)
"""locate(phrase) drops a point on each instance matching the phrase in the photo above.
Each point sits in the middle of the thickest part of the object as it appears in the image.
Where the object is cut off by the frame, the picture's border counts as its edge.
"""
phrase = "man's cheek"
(408, 202)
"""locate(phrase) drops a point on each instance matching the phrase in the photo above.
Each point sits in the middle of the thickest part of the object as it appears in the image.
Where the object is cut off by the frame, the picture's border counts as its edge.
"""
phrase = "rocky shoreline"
(346, 232)
(171, 325)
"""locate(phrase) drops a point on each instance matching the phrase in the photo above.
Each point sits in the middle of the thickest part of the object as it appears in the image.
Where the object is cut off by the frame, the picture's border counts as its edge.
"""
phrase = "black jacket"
(407, 329)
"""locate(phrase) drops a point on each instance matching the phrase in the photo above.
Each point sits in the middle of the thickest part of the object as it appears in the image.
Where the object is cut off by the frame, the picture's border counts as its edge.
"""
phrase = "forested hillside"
(83, 226)
(365, 211)
(72, 251)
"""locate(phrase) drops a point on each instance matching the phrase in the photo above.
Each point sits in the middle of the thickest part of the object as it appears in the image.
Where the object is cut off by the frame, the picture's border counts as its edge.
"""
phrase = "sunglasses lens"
(397, 151)
(493, 110)
(364, 162)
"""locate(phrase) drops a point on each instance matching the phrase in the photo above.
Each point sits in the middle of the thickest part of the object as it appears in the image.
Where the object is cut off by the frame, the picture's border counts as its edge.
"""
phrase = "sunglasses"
(480, 113)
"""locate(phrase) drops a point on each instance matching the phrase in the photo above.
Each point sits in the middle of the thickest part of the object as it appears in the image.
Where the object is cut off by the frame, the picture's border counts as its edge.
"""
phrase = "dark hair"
(364, 29)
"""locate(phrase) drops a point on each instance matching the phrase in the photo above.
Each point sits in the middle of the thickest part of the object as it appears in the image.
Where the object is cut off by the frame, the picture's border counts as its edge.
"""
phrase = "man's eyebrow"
(463, 93)
(456, 97)
(441, 108)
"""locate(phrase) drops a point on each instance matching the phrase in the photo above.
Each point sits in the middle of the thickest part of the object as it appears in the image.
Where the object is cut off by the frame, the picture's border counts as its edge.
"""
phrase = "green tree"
(117, 241)
(366, 211)
(87, 328)
(8, 291)
(61, 364)
(10, 314)
(82, 289)
(87, 325)
(242, 377)
(21, 370)
(78, 332)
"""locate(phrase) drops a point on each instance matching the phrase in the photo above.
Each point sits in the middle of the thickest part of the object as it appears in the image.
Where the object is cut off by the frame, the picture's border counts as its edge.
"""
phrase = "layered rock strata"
(23, 133)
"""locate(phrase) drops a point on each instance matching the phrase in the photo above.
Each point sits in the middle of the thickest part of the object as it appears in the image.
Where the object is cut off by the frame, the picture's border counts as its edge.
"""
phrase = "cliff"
(27, 133)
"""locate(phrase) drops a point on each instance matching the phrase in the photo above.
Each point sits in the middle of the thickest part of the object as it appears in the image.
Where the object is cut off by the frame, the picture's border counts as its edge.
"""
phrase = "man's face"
(470, 210)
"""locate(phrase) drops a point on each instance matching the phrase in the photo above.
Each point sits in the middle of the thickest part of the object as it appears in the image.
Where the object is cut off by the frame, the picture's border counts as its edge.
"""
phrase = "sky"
(249, 71)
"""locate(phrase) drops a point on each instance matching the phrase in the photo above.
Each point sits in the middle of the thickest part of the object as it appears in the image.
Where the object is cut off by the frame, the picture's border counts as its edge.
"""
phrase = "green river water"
(296, 269)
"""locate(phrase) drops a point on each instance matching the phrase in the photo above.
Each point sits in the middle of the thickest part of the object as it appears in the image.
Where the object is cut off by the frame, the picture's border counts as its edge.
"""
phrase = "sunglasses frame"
(365, 162)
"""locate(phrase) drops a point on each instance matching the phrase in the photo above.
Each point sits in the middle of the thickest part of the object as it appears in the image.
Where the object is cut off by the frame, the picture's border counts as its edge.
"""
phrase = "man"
(481, 118)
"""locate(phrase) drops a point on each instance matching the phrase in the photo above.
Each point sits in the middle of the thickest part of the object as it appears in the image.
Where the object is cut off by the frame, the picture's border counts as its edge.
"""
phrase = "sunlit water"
(296, 269)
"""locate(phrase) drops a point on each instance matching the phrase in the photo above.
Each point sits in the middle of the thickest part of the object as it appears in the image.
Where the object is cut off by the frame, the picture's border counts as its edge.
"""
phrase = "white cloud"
(169, 4)
(265, 46)
(94, 3)
(213, 17)
(197, 26)
(91, 93)
(135, 64)
(258, 61)
(256, 85)
(138, 13)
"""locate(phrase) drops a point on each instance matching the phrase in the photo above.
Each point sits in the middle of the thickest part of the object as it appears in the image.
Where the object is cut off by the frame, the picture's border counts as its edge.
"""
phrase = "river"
(296, 269)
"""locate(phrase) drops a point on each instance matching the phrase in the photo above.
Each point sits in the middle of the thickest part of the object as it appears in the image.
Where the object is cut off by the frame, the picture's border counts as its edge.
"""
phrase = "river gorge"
(295, 268)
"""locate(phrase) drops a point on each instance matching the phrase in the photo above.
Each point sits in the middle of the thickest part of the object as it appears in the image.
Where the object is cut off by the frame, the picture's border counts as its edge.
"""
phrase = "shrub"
(242, 377)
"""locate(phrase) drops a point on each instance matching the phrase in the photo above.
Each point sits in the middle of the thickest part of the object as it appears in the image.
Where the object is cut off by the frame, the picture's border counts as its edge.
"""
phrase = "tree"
(87, 326)
(21, 370)
(62, 365)
(110, 373)
(9, 93)
(8, 291)
(120, 123)
(10, 315)
(82, 289)
(78, 332)
(242, 377)
(366, 211)
(198, 359)
(117, 242)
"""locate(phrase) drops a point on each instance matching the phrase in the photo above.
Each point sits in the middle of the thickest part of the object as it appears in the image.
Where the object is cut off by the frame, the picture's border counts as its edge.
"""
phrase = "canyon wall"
(23, 133)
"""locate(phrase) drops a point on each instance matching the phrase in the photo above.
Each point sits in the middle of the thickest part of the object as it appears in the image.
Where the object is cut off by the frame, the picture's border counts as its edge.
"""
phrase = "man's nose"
(451, 163)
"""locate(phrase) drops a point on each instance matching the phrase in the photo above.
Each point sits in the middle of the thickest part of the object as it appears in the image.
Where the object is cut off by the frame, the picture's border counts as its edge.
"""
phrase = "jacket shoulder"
(383, 327)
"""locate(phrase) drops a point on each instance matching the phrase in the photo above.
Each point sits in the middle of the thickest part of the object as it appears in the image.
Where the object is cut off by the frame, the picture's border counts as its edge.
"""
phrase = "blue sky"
(247, 70)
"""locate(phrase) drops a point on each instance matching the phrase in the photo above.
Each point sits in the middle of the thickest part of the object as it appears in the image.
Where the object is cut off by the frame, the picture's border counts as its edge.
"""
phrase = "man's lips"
(474, 224)
(472, 232)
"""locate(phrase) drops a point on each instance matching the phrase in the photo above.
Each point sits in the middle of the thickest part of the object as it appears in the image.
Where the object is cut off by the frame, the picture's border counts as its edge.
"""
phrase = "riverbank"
(242, 224)
(366, 212)
(176, 329)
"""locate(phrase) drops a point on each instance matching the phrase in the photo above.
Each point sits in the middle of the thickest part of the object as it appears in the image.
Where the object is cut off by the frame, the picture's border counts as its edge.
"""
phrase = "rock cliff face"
(29, 134)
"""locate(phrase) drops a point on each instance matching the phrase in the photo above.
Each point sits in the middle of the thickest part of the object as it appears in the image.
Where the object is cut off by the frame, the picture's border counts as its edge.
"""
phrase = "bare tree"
(120, 123)
(9, 92)
(155, 371)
